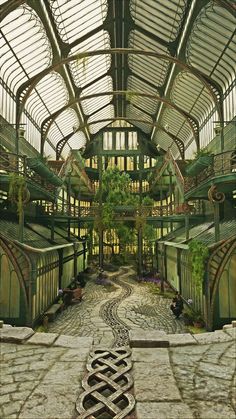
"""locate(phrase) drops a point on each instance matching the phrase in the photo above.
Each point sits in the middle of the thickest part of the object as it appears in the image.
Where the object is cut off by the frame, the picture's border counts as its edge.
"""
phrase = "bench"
(51, 312)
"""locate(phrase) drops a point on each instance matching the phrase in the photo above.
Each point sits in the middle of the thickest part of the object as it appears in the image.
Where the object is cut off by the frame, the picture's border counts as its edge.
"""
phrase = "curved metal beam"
(26, 88)
(47, 123)
(60, 145)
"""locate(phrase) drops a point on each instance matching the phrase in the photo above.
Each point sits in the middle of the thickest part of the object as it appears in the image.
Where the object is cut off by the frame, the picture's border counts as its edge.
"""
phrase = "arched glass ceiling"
(71, 26)
(64, 125)
(86, 70)
(212, 44)
(155, 69)
(50, 95)
(161, 18)
(24, 45)
(188, 93)
(107, 112)
(91, 105)
(149, 105)
(75, 19)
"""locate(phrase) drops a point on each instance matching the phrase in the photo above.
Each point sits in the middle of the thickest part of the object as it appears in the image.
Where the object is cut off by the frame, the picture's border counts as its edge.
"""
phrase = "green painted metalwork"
(39, 167)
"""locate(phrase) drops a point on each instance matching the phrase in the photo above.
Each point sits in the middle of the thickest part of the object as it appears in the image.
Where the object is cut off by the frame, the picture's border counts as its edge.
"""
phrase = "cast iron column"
(140, 230)
(100, 212)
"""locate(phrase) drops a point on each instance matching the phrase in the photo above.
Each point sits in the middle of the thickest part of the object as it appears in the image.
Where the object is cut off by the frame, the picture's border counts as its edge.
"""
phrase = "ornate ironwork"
(223, 164)
(106, 385)
(215, 196)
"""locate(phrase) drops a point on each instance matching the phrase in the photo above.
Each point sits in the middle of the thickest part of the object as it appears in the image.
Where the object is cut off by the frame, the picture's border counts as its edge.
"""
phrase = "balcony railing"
(61, 208)
(223, 164)
(13, 163)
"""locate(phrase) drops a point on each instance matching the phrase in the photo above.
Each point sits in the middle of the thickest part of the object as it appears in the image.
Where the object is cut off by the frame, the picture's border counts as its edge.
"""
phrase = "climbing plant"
(18, 193)
(199, 253)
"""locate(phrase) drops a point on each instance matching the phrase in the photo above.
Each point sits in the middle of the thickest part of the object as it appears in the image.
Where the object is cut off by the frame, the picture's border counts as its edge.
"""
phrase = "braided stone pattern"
(106, 385)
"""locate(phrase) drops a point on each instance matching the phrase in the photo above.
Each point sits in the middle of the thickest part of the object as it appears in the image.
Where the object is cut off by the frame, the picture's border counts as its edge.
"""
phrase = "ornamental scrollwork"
(215, 196)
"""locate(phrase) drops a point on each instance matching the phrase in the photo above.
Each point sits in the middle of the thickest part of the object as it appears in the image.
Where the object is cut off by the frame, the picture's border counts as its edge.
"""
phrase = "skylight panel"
(162, 19)
(153, 68)
(88, 69)
(72, 17)
(137, 85)
(106, 113)
(165, 142)
(23, 29)
(190, 95)
(51, 93)
(91, 105)
(134, 113)
(77, 141)
(212, 50)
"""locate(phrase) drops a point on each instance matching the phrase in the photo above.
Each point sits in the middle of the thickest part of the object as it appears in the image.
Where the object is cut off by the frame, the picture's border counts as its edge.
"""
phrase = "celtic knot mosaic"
(106, 386)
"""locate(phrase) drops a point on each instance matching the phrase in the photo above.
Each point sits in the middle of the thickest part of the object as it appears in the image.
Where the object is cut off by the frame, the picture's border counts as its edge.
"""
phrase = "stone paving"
(176, 374)
(139, 310)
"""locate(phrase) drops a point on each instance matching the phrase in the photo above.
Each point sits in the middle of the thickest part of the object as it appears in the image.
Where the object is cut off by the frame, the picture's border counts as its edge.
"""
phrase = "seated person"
(177, 305)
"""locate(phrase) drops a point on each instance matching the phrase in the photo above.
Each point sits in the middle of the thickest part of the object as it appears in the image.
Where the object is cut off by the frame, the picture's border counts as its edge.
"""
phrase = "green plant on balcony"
(199, 253)
(18, 193)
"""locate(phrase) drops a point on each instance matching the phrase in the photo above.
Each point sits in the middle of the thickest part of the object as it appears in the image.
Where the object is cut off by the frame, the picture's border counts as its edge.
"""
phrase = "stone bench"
(51, 312)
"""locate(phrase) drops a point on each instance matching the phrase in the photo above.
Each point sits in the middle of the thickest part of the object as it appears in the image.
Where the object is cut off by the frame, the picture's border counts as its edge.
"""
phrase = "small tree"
(115, 192)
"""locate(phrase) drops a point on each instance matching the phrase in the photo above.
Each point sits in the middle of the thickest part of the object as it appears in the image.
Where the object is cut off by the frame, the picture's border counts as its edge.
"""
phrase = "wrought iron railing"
(223, 164)
(13, 163)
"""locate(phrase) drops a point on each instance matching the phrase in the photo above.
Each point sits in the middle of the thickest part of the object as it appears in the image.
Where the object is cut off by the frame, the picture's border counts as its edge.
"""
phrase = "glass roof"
(38, 35)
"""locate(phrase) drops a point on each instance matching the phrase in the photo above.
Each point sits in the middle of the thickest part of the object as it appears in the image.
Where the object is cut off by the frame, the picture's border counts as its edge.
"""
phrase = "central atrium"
(117, 157)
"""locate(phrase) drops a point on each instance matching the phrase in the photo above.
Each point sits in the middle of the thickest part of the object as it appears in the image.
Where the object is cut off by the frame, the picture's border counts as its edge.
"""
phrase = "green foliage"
(147, 201)
(116, 187)
(149, 233)
(140, 222)
(199, 253)
(18, 192)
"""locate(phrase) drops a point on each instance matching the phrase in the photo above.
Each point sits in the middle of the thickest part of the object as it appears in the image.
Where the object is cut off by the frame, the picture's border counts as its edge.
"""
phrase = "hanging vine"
(199, 253)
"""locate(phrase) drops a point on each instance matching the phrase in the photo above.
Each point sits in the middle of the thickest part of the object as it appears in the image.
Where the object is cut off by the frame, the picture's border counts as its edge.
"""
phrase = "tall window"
(120, 141)
(132, 140)
(107, 141)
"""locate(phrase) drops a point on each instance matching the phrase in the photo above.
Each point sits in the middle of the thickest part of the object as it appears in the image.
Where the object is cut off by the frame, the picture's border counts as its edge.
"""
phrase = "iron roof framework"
(77, 66)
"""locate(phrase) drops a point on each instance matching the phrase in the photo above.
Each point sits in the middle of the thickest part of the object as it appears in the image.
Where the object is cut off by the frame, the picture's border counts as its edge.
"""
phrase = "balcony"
(221, 172)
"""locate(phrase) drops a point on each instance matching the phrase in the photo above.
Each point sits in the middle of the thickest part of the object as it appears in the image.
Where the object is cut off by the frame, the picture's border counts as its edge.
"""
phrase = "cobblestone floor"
(193, 377)
(140, 309)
